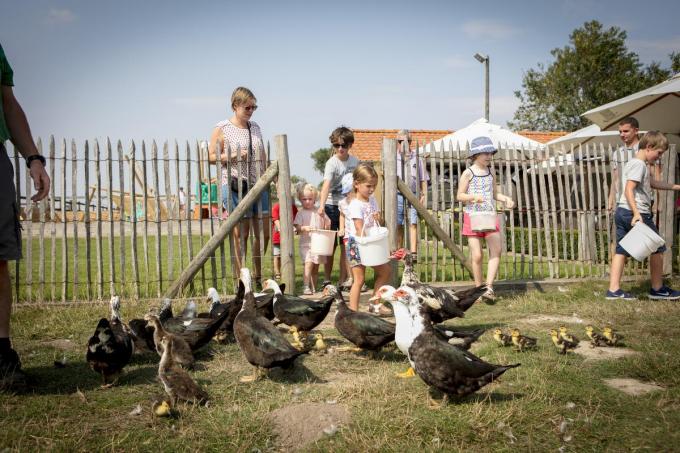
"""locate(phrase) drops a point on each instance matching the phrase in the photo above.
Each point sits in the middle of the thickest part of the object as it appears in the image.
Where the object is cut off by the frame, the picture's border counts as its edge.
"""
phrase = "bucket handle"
(364, 226)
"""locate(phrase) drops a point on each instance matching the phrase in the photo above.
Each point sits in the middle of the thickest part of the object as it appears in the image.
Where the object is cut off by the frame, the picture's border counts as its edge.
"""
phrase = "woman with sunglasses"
(337, 166)
(240, 141)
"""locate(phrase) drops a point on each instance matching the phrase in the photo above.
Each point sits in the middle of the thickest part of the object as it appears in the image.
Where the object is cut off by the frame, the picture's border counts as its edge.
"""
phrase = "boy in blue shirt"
(634, 205)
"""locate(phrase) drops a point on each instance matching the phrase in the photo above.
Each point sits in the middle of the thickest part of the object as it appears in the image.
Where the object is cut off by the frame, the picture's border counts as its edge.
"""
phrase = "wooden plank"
(452, 196)
(527, 200)
(88, 231)
(145, 188)
(53, 223)
(181, 215)
(28, 244)
(578, 192)
(599, 201)
(112, 237)
(190, 242)
(459, 208)
(205, 165)
(100, 260)
(212, 244)
(220, 213)
(133, 204)
(588, 203)
(498, 170)
(537, 209)
(544, 208)
(121, 224)
(563, 220)
(511, 193)
(435, 208)
(199, 173)
(389, 163)
(41, 242)
(74, 209)
(281, 167)
(667, 215)
(170, 208)
(442, 267)
(156, 187)
(553, 213)
(571, 213)
(17, 185)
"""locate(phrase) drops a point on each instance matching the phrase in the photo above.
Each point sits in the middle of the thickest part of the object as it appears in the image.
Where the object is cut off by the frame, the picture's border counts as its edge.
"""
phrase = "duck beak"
(374, 298)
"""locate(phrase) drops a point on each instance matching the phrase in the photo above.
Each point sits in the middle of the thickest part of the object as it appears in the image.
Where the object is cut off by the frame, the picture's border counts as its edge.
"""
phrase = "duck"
(561, 343)
(182, 354)
(503, 339)
(611, 338)
(142, 333)
(596, 339)
(445, 367)
(189, 311)
(446, 304)
(567, 336)
(299, 314)
(364, 330)
(111, 346)
(522, 342)
(178, 383)
(197, 332)
(262, 344)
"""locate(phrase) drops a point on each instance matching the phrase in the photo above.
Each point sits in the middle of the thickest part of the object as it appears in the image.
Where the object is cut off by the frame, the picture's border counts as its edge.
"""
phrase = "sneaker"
(277, 277)
(307, 291)
(364, 288)
(489, 296)
(664, 293)
(347, 284)
(619, 294)
(10, 370)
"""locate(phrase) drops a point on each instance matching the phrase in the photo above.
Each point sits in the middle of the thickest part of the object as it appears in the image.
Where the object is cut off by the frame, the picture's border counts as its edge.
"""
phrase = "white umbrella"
(500, 137)
(656, 108)
(589, 134)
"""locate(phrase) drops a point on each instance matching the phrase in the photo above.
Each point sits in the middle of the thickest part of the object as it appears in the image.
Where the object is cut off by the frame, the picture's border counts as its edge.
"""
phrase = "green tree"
(320, 156)
(595, 68)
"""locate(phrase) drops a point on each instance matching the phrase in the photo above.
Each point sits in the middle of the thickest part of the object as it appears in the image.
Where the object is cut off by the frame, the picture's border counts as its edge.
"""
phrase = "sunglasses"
(402, 141)
(340, 145)
(250, 108)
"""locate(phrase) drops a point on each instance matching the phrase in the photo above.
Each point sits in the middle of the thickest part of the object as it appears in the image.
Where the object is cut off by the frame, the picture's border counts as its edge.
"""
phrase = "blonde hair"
(654, 140)
(240, 96)
(308, 188)
(363, 174)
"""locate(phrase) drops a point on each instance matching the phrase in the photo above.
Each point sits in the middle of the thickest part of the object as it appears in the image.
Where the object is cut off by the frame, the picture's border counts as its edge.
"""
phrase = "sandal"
(277, 277)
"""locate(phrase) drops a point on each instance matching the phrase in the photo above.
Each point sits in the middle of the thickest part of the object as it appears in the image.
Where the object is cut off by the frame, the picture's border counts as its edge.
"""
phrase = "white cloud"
(489, 29)
(60, 16)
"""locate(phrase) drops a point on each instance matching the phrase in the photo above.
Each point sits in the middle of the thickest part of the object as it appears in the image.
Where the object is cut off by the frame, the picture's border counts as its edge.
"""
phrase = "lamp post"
(485, 59)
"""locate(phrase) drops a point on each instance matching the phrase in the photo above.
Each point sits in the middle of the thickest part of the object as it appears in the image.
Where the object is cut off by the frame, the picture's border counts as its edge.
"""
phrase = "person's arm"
(341, 230)
(660, 185)
(277, 225)
(630, 198)
(22, 139)
(324, 196)
(509, 202)
(462, 194)
(358, 226)
(216, 144)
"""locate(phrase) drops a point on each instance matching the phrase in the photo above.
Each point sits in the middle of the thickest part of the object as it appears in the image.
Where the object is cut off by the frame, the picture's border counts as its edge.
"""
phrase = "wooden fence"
(560, 226)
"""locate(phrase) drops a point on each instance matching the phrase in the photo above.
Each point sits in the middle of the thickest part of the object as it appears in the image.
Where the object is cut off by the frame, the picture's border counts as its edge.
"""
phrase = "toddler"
(308, 219)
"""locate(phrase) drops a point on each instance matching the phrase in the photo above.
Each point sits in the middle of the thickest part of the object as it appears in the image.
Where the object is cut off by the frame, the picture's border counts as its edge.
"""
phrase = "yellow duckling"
(522, 342)
(562, 344)
(567, 336)
(298, 339)
(501, 338)
(319, 344)
(612, 338)
(596, 339)
(163, 409)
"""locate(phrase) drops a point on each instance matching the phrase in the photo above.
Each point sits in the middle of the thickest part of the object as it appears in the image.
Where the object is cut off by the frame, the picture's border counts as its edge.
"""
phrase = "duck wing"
(262, 343)
(467, 298)
(302, 313)
(460, 338)
(197, 332)
(363, 329)
(180, 386)
(431, 297)
(142, 335)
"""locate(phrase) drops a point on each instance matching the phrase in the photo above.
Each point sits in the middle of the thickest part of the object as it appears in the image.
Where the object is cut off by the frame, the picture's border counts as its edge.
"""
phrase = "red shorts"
(467, 228)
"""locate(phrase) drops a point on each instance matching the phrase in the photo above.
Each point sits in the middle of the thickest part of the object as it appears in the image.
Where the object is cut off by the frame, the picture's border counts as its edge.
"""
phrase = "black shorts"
(10, 228)
(333, 213)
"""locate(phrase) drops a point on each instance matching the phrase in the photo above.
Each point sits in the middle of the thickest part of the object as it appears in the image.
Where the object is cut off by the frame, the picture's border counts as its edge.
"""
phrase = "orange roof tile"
(368, 142)
(542, 136)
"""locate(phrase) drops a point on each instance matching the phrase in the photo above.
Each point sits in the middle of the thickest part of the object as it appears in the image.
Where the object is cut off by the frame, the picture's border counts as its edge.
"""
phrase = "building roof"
(368, 142)
(542, 136)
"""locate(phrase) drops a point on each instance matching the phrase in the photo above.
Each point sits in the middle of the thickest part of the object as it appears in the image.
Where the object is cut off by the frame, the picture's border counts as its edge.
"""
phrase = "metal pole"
(486, 97)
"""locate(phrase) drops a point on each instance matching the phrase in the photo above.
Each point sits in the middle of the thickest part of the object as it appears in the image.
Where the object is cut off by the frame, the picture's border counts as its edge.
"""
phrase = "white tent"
(656, 108)
(589, 134)
(500, 136)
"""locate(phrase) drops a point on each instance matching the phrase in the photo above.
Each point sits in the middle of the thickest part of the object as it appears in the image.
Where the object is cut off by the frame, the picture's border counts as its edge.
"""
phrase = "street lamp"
(485, 59)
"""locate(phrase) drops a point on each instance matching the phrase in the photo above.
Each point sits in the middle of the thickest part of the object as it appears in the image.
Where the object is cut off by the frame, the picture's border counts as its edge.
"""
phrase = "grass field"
(551, 402)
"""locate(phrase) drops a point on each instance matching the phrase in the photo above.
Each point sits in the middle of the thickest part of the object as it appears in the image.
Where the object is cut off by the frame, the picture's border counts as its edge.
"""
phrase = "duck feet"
(348, 349)
(253, 377)
(432, 403)
(407, 374)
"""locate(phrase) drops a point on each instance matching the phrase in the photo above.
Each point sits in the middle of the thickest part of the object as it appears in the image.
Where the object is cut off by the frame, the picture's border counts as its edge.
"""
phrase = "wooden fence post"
(214, 242)
(285, 214)
(389, 159)
(667, 207)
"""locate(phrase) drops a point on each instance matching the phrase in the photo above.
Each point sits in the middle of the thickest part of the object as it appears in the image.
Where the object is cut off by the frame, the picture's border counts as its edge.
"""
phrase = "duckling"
(596, 339)
(561, 343)
(163, 409)
(612, 338)
(178, 384)
(567, 336)
(319, 344)
(503, 339)
(522, 342)
(182, 354)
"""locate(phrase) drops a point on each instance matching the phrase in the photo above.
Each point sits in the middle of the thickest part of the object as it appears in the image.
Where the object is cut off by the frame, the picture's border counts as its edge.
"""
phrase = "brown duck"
(181, 354)
(178, 384)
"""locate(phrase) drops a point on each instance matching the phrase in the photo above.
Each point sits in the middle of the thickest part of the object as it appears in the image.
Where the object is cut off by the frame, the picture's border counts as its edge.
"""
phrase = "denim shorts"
(263, 202)
(622, 219)
(10, 227)
(412, 214)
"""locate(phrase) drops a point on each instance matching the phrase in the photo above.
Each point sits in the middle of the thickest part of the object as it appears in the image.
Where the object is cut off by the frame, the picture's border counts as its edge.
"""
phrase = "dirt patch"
(589, 353)
(632, 387)
(545, 319)
(63, 344)
(299, 425)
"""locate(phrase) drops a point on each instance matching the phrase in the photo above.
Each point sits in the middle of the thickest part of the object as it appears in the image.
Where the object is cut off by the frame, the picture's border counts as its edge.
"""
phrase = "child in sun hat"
(477, 189)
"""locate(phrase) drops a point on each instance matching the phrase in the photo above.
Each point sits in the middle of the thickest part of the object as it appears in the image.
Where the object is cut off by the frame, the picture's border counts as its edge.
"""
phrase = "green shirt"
(6, 79)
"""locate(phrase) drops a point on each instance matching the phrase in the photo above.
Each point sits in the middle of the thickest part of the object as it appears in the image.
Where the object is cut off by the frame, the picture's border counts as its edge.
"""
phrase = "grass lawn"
(551, 401)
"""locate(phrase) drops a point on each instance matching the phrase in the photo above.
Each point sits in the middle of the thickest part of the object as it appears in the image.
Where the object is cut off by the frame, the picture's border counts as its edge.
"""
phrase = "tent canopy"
(589, 134)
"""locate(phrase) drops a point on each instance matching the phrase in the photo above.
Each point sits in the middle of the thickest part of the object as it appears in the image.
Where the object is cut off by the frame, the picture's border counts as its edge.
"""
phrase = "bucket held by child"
(483, 221)
(374, 249)
(322, 241)
(641, 241)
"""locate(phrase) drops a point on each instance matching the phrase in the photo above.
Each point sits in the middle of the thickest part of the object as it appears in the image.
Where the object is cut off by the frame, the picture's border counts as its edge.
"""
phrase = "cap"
(480, 145)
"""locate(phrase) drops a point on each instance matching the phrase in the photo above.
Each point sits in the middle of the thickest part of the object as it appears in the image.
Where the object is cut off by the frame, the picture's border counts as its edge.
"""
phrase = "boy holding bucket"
(306, 221)
(633, 206)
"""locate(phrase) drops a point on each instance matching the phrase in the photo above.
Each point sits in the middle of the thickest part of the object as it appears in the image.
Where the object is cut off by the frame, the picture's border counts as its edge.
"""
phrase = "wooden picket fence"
(560, 227)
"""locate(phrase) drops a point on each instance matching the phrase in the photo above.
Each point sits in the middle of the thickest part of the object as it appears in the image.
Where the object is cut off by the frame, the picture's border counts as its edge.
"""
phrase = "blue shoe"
(664, 293)
(620, 295)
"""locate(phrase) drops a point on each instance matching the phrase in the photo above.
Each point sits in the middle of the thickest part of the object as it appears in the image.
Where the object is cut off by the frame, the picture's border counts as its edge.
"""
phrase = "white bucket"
(641, 241)
(322, 242)
(374, 250)
(481, 222)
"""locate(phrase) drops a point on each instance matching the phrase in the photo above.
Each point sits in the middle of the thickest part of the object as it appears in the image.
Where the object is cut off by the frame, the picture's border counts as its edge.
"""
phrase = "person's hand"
(341, 233)
(478, 199)
(509, 203)
(636, 218)
(306, 228)
(41, 181)
(376, 216)
(321, 211)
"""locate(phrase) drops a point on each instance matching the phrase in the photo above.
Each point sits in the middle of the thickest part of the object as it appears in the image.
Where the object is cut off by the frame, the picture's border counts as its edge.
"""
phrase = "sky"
(165, 70)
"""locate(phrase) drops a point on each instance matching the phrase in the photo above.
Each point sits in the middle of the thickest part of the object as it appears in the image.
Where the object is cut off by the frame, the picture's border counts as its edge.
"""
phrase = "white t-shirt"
(362, 210)
(334, 171)
(343, 205)
(636, 170)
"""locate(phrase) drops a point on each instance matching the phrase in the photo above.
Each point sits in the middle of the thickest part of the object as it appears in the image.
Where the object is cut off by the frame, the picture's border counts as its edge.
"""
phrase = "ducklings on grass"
(562, 344)
(612, 338)
(522, 342)
(565, 335)
(596, 339)
(503, 339)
